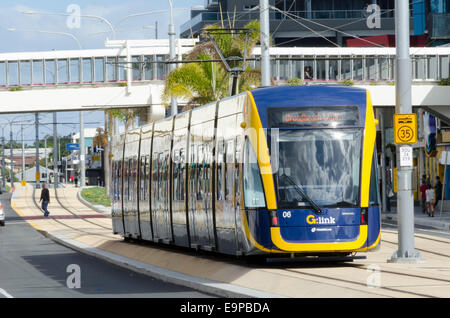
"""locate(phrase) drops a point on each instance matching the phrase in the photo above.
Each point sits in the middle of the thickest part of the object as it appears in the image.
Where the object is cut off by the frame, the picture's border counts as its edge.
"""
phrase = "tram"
(279, 170)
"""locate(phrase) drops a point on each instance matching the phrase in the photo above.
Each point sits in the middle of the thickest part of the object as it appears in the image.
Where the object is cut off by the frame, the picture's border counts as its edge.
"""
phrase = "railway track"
(73, 214)
(352, 276)
(70, 210)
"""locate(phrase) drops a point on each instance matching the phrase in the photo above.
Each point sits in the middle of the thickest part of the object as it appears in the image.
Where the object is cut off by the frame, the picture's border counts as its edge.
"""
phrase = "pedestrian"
(423, 196)
(45, 198)
(76, 181)
(431, 200)
(438, 189)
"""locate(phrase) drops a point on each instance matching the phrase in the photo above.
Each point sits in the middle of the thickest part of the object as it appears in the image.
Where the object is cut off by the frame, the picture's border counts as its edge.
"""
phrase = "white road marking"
(4, 293)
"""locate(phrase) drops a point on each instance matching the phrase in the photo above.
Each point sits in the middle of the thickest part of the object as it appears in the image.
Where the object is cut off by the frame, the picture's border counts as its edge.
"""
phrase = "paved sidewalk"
(440, 221)
(71, 223)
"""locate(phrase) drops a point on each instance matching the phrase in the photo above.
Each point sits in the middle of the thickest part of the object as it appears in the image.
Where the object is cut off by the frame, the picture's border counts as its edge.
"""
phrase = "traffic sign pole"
(404, 134)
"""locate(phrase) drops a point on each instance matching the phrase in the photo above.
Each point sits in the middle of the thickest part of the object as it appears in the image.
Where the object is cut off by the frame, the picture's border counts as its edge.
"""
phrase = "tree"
(204, 82)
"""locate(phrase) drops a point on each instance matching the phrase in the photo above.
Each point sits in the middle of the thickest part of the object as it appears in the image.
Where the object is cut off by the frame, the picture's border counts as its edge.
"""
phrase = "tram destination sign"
(335, 116)
(405, 129)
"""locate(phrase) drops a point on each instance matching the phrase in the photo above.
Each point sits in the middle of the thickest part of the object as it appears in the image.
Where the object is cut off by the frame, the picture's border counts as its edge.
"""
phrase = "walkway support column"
(38, 172)
(82, 153)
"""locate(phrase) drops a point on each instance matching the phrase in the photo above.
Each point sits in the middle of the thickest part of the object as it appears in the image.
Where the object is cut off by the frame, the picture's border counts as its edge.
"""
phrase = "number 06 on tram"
(288, 169)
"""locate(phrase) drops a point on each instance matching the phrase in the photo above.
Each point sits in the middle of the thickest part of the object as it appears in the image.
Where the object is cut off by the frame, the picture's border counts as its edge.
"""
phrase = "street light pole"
(113, 31)
(265, 42)
(49, 32)
(55, 152)
(3, 160)
(11, 177)
(403, 105)
(172, 66)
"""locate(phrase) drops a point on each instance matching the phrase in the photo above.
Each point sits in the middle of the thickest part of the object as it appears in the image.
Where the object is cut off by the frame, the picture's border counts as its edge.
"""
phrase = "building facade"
(325, 22)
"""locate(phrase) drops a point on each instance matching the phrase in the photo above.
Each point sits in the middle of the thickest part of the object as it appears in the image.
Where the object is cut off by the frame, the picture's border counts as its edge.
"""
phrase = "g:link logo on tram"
(311, 219)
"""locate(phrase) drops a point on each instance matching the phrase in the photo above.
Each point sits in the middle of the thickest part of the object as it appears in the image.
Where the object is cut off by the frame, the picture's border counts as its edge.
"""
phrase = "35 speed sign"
(405, 129)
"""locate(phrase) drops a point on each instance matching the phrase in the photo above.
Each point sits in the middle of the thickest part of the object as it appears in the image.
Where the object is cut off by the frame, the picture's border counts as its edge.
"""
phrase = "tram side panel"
(131, 217)
(374, 212)
(369, 186)
(201, 218)
(144, 182)
(160, 197)
(227, 179)
(116, 184)
(179, 174)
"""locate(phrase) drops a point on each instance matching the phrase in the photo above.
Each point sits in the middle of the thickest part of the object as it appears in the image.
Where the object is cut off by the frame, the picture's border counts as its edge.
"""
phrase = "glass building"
(317, 23)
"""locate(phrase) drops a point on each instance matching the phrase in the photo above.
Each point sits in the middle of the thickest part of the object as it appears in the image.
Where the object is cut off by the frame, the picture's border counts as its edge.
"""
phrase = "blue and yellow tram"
(288, 169)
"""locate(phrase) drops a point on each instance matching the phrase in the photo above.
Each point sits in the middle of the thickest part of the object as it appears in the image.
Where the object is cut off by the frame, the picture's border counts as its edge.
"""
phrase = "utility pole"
(3, 160)
(403, 105)
(38, 174)
(82, 153)
(55, 152)
(265, 42)
(172, 66)
(11, 174)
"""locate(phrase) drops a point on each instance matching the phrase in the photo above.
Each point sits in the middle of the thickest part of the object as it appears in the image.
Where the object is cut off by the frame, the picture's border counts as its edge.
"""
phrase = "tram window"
(229, 178)
(129, 179)
(165, 183)
(253, 189)
(182, 175)
(220, 170)
(200, 168)
(142, 177)
(159, 185)
(147, 180)
(119, 180)
(176, 166)
(207, 169)
(237, 174)
(374, 198)
(192, 171)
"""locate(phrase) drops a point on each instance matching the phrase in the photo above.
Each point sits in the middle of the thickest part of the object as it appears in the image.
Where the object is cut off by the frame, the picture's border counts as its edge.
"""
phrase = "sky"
(90, 32)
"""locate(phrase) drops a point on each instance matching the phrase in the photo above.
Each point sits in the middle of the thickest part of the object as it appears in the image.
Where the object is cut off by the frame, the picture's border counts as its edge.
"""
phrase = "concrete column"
(82, 153)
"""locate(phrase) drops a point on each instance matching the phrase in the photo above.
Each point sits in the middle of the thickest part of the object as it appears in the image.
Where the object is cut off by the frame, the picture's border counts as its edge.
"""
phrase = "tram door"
(201, 220)
(240, 237)
(160, 201)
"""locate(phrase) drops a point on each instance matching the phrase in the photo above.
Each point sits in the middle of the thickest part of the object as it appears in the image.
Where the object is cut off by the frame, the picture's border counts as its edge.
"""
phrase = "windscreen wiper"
(300, 191)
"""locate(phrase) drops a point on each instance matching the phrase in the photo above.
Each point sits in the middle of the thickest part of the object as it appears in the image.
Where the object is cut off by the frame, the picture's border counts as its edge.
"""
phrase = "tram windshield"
(324, 164)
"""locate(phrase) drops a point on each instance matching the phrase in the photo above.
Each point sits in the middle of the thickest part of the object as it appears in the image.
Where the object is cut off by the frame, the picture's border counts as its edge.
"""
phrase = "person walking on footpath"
(438, 189)
(423, 196)
(45, 198)
(431, 200)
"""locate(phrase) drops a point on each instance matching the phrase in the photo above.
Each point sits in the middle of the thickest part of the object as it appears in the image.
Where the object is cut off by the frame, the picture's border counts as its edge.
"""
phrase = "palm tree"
(204, 82)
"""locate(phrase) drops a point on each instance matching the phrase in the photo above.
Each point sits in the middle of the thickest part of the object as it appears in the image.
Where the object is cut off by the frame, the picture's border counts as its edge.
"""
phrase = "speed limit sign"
(405, 129)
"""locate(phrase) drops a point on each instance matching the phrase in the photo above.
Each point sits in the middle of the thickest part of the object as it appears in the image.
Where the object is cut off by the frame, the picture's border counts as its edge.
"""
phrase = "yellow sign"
(24, 183)
(405, 129)
(38, 176)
